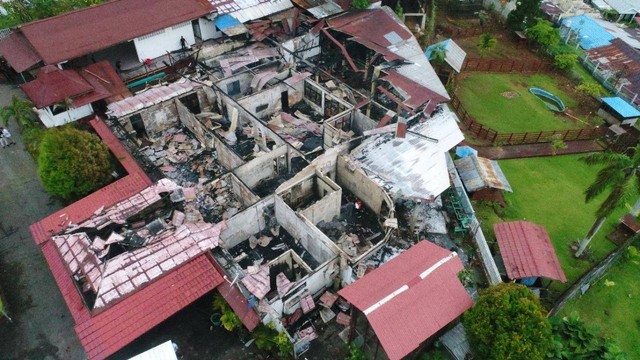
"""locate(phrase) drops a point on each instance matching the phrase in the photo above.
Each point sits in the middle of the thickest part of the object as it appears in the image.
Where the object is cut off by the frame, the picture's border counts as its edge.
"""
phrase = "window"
(233, 88)
(262, 107)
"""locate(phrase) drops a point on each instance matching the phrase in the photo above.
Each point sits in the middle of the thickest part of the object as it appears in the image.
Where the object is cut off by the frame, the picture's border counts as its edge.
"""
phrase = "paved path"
(536, 150)
(42, 326)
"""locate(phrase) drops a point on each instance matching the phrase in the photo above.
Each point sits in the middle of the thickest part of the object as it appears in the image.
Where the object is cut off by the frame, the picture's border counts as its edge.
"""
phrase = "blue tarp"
(590, 34)
(444, 44)
(464, 151)
(226, 21)
(621, 107)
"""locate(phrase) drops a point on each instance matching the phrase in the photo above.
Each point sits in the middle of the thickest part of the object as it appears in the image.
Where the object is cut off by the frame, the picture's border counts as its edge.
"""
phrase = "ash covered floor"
(356, 230)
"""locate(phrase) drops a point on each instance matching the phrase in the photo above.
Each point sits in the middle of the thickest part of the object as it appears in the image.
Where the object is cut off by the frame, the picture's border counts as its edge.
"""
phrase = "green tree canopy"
(72, 162)
(360, 4)
(544, 34)
(508, 322)
(524, 15)
(487, 41)
(22, 11)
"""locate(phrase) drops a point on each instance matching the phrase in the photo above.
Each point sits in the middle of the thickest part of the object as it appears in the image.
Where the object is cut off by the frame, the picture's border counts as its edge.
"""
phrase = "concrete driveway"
(42, 326)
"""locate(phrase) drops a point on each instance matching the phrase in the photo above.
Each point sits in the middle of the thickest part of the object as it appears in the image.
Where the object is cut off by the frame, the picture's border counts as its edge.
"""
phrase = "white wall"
(71, 115)
(158, 43)
(308, 45)
(208, 29)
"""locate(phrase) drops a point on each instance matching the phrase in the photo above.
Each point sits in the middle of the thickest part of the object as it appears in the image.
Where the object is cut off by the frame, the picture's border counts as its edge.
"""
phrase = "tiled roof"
(18, 53)
(411, 297)
(527, 251)
(134, 182)
(112, 329)
(81, 32)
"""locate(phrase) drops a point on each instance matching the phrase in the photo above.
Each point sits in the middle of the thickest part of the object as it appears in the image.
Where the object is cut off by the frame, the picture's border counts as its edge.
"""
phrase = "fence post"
(579, 133)
(538, 138)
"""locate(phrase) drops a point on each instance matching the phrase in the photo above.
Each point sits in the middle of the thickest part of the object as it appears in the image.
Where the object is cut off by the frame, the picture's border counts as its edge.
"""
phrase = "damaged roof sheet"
(122, 275)
(152, 96)
(479, 173)
(54, 85)
(411, 297)
(527, 251)
(414, 94)
(319, 8)
(247, 10)
(413, 167)
(382, 31)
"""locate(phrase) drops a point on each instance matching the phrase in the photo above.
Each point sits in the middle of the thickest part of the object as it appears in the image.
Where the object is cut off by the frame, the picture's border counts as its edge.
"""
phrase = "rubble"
(182, 158)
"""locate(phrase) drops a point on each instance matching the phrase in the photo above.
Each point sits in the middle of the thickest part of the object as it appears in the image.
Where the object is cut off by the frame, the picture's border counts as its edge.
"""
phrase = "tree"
(590, 88)
(20, 110)
(524, 15)
(438, 55)
(360, 4)
(72, 162)
(544, 34)
(565, 61)
(508, 322)
(399, 10)
(486, 42)
(621, 176)
(21, 11)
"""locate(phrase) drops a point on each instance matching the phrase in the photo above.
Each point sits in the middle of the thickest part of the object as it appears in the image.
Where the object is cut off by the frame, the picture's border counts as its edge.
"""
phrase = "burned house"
(272, 173)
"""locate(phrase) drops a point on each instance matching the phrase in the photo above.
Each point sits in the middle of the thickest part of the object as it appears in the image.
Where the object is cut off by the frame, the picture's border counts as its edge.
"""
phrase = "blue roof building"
(620, 109)
(590, 34)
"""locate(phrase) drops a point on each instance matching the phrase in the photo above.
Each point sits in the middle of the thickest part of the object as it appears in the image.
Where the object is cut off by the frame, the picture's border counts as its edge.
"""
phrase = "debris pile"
(298, 129)
(182, 158)
(211, 202)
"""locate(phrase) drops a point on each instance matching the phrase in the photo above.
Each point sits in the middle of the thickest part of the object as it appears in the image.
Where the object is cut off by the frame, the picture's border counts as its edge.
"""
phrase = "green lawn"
(549, 191)
(614, 309)
(481, 95)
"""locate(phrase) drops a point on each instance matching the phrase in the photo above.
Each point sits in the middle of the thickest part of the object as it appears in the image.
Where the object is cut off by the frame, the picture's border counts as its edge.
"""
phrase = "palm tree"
(20, 110)
(486, 42)
(621, 175)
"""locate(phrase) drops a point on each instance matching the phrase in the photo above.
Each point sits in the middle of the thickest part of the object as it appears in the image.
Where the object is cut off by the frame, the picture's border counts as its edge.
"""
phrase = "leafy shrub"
(508, 322)
(544, 34)
(632, 253)
(360, 4)
(72, 162)
(573, 340)
(565, 61)
(399, 10)
(230, 320)
(590, 88)
(355, 353)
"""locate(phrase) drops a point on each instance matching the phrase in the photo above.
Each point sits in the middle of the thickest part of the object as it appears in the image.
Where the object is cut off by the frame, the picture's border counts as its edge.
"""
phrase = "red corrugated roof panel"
(418, 94)
(18, 53)
(238, 303)
(110, 330)
(411, 297)
(527, 251)
(117, 191)
(54, 85)
(372, 25)
(81, 32)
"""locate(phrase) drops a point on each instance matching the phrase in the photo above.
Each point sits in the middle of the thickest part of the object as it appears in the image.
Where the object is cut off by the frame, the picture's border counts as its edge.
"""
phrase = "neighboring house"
(626, 9)
(63, 96)
(124, 30)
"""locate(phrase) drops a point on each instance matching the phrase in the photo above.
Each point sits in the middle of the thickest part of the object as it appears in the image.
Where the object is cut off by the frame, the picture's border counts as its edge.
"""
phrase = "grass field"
(482, 96)
(614, 309)
(549, 191)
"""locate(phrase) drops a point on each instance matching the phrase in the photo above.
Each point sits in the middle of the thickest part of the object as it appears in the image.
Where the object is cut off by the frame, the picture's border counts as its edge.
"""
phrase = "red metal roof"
(54, 85)
(527, 251)
(105, 81)
(81, 32)
(18, 53)
(238, 303)
(112, 329)
(134, 182)
(418, 94)
(373, 25)
(411, 297)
